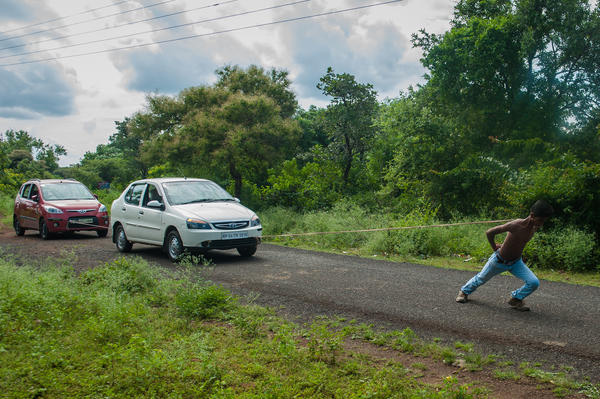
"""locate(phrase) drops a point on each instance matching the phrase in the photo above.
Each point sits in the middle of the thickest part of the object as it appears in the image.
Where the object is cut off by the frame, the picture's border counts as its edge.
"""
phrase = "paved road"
(563, 327)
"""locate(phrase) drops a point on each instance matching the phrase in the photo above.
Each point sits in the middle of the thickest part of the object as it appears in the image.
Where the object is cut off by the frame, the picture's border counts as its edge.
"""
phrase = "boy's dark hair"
(542, 209)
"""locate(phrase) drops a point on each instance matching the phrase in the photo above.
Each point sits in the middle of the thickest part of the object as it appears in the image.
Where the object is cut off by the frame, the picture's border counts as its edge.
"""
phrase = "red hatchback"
(58, 206)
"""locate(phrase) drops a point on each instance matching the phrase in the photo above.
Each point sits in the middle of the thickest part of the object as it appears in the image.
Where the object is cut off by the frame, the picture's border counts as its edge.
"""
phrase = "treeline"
(509, 113)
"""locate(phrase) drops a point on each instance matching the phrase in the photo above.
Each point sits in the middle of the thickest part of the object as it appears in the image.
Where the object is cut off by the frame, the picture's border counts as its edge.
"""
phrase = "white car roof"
(160, 180)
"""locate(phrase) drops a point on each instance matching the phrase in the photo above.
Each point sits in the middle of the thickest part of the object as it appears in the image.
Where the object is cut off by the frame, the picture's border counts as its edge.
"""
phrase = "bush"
(313, 186)
(199, 301)
(563, 248)
(123, 275)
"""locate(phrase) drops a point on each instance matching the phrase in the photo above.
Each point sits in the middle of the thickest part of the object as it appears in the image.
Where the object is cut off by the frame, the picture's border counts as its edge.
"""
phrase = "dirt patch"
(435, 372)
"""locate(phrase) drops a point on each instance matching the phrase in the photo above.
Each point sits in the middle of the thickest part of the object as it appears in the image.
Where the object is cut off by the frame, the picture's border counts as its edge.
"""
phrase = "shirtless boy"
(507, 256)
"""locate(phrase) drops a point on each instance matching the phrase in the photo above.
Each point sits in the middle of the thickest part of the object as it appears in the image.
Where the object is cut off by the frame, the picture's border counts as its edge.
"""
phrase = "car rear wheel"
(102, 233)
(18, 229)
(44, 233)
(174, 246)
(122, 243)
(246, 252)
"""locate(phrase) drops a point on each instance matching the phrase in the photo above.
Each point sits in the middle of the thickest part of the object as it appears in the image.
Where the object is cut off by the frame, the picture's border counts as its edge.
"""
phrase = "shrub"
(123, 275)
(563, 248)
(197, 301)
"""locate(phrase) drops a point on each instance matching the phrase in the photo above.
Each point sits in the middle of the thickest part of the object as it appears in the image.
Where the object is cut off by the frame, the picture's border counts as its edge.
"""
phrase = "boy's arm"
(493, 232)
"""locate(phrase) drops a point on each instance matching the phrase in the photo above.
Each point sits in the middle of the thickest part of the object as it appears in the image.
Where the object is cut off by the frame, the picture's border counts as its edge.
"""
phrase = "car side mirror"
(95, 196)
(156, 205)
(236, 199)
(35, 198)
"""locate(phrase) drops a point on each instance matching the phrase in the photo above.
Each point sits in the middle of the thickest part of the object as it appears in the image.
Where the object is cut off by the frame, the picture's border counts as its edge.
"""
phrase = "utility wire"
(304, 17)
(103, 29)
(65, 17)
(161, 29)
(88, 20)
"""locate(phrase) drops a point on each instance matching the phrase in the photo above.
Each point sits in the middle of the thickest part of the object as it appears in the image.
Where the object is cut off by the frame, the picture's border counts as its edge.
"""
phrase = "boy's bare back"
(520, 232)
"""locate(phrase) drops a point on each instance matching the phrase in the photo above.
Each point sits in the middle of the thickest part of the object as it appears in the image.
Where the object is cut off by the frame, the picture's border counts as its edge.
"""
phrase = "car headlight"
(51, 209)
(197, 224)
(102, 208)
(255, 221)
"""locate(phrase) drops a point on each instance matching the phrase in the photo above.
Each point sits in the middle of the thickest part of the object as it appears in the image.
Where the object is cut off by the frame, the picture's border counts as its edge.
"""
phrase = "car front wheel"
(18, 229)
(174, 246)
(44, 233)
(102, 233)
(122, 243)
(246, 252)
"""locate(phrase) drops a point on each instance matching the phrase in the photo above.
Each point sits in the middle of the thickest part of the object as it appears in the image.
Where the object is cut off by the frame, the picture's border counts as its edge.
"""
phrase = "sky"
(70, 68)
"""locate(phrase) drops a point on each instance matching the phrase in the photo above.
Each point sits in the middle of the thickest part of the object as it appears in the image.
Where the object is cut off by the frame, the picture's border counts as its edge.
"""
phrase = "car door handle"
(141, 212)
(123, 209)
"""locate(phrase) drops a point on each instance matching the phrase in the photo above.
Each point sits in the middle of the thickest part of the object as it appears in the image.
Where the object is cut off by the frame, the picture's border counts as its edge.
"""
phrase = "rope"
(382, 229)
(315, 233)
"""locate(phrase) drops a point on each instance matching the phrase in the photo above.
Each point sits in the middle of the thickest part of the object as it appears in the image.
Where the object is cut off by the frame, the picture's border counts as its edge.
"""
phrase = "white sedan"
(180, 213)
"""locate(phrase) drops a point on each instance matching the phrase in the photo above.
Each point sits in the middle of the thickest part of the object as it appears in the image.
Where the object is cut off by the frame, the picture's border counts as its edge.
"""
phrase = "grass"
(125, 331)
(128, 329)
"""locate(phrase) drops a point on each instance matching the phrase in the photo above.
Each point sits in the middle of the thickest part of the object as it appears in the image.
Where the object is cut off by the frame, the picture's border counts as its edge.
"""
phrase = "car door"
(150, 219)
(130, 209)
(23, 208)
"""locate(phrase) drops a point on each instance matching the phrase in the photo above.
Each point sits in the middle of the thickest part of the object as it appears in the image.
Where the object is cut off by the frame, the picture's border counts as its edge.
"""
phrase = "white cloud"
(75, 101)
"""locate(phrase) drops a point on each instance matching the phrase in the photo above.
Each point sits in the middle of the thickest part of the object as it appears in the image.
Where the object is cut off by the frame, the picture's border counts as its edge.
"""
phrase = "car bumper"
(221, 239)
(64, 223)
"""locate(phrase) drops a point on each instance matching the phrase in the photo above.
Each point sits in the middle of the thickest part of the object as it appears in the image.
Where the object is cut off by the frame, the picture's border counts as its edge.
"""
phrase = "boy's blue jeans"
(495, 266)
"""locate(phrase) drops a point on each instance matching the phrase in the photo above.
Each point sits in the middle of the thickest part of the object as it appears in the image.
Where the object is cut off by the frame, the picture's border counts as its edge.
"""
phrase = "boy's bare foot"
(518, 304)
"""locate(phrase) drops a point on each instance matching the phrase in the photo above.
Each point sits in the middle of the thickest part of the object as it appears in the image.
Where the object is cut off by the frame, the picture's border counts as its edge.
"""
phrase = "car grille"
(80, 210)
(82, 223)
(240, 224)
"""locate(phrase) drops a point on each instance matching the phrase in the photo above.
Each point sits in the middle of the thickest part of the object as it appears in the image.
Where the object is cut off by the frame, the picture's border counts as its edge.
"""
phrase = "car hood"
(74, 204)
(214, 211)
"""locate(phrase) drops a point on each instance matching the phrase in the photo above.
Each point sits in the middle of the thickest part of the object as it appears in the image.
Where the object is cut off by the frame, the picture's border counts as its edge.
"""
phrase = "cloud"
(172, 67)
(373, 53)
(22, 10)
(34, 92)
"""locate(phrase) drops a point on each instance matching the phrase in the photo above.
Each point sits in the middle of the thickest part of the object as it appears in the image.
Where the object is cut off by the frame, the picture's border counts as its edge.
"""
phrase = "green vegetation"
(122, 330)
(509, 113)
(128, 329)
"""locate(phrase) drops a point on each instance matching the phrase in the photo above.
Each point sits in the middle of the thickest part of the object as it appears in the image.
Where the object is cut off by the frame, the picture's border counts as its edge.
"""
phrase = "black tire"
(174, 246)
(44, 233)
(121, 241)
(246, 252)
(17, 226)
(102, 233)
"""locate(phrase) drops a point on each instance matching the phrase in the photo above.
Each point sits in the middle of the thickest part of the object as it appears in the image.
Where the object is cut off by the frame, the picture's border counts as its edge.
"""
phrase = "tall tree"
(349, 117)
(517, 73)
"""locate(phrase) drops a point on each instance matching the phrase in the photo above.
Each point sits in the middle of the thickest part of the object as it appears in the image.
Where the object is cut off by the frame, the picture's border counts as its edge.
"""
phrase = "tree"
(32, 154)
(516, 72)
(235, 130)
(256, 81)
(349, 117)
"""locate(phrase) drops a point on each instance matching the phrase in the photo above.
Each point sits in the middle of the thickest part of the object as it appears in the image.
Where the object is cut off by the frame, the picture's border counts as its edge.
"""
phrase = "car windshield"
(66, 191)
(188, 192)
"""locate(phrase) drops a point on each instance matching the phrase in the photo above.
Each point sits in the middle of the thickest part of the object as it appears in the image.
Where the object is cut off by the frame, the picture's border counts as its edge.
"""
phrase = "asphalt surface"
(562, 328)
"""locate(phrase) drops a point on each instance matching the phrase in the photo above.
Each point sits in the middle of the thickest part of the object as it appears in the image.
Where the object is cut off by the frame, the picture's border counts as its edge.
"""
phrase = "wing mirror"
(156, 205)
(35, 198)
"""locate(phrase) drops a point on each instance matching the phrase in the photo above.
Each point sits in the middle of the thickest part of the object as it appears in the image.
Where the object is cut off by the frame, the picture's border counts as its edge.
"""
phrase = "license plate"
(234, 235)
(84, 220)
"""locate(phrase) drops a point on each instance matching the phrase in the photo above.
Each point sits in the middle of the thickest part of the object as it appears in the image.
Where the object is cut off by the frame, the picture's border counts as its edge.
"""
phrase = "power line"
(65, 17)
(103, 29)
(208, 34)
(87, 20)
(161, 29)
